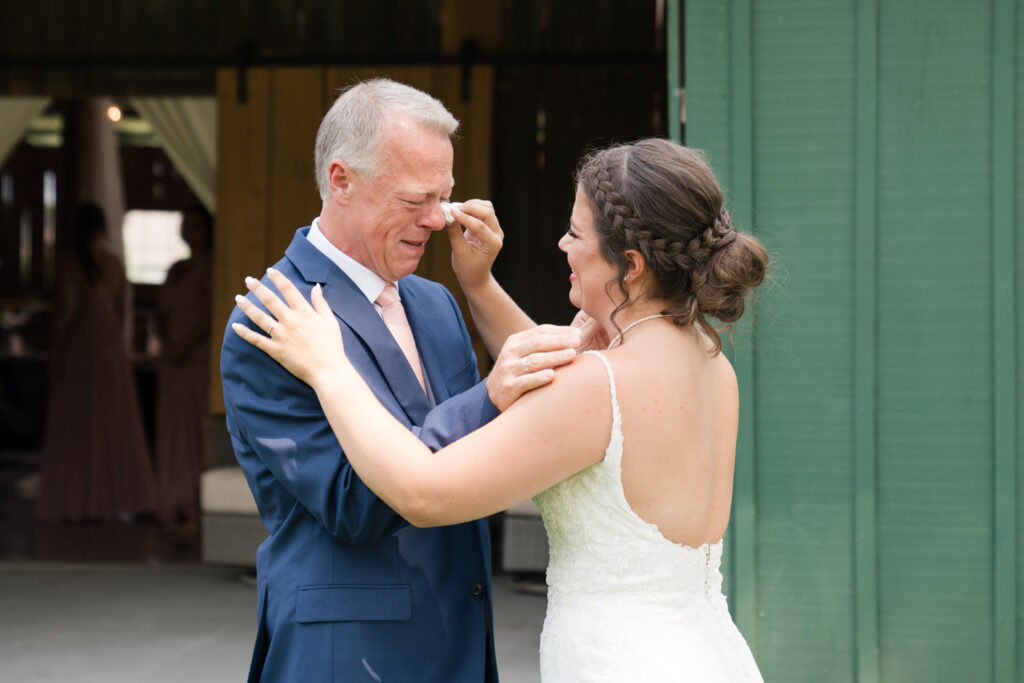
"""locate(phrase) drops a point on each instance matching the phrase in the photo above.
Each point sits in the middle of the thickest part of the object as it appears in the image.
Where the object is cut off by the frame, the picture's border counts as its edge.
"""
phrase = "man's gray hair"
(352, 128)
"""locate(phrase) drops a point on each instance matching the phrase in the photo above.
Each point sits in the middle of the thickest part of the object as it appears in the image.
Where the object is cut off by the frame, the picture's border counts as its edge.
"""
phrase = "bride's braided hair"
(661, 199)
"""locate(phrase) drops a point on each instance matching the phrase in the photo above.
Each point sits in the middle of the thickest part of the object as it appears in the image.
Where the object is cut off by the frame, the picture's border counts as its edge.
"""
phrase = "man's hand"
(527, 359)
(476, 239)
(593, 335)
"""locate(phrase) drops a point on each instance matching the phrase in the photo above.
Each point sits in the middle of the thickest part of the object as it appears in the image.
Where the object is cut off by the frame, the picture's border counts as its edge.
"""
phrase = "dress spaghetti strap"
(616, 438)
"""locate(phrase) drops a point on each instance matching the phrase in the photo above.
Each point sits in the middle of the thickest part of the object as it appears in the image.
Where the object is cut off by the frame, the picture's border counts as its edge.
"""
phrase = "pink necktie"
(394, 317)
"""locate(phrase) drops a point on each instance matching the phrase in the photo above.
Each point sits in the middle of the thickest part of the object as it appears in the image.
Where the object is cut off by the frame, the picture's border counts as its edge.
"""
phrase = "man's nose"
(434, 218)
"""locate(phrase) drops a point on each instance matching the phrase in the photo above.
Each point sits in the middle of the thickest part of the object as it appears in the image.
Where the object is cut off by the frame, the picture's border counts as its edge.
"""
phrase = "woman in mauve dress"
(183, 325)
(95, 462)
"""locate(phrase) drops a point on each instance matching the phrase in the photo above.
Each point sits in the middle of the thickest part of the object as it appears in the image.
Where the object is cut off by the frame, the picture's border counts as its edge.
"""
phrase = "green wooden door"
(873, 145)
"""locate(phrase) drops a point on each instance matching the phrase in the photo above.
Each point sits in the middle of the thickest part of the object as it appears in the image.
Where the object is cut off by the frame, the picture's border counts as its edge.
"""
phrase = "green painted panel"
(744, 516)
(804, 337)
(886, 357)
(706, 42)
(1004, 343)
(934, 341)
(865, 352)
(1018, 220)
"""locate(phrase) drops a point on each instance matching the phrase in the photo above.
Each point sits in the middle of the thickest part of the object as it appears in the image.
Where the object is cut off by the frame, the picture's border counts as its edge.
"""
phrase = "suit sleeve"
(468, 408)
(290, 454)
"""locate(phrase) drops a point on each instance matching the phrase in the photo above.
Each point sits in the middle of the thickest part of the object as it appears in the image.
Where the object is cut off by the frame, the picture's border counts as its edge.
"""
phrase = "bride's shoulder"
(578, 381)
(584, 380)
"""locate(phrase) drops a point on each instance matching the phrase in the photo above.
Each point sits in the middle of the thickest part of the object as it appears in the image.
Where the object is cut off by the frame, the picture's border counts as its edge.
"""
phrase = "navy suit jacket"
(348, 590)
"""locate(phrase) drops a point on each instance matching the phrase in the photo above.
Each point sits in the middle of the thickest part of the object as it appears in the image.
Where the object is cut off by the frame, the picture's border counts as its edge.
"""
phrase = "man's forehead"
(418, 153)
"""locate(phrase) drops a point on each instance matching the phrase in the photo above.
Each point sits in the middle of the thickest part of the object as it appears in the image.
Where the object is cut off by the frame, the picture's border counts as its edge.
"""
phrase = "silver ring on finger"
(270, 330)
(523, 365)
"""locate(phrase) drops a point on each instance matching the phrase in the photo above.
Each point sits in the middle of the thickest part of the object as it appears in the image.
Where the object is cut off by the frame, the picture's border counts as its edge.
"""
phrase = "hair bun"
(737, 265)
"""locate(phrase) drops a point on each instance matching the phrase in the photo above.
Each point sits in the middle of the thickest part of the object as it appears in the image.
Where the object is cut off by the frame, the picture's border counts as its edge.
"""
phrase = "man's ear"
(637, 265)
(340, 177)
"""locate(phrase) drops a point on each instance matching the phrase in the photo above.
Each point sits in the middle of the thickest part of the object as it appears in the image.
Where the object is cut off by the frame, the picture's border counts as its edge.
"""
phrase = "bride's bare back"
(679, 419)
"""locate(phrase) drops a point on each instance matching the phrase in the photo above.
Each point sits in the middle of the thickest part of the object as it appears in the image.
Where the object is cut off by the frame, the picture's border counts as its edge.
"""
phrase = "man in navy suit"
(348, 590)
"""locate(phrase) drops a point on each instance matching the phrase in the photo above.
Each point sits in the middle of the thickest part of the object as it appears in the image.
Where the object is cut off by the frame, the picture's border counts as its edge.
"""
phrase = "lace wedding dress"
(625, 603)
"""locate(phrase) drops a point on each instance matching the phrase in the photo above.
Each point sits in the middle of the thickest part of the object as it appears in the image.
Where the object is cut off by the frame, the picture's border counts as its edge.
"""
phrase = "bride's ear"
(637, 265)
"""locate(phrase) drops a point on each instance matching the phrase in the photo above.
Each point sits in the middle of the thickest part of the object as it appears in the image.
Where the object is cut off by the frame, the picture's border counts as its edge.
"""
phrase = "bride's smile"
(590, 271)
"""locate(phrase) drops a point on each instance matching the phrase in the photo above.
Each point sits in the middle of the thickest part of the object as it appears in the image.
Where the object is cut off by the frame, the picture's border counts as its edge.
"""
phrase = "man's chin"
(404, 271)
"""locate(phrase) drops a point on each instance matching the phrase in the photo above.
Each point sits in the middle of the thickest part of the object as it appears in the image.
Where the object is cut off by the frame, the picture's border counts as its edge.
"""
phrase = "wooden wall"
(153, 46)
(265, 183)
(876, 147)
(551, 111)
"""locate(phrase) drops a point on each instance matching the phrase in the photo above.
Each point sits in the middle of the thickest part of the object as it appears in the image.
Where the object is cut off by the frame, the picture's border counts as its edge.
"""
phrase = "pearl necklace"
(633, 324)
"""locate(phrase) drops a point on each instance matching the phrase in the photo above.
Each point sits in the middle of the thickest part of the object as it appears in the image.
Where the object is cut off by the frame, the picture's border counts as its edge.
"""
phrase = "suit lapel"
(351, 307)
(420, 322)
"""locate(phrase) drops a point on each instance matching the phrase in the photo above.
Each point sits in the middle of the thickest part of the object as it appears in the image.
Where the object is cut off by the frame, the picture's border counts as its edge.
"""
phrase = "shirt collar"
(368, 282)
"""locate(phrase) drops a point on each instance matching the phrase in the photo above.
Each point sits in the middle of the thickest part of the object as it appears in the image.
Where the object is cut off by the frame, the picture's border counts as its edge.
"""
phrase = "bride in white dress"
(628, 451)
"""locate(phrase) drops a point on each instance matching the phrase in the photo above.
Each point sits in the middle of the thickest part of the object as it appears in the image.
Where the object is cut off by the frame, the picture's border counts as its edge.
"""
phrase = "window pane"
(152, 244)
(49, 225)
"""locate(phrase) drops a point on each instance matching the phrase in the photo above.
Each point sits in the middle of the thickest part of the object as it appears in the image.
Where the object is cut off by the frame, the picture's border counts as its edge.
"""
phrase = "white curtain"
(186, 128)
(15, 115)
(100, 178)
(99, 167)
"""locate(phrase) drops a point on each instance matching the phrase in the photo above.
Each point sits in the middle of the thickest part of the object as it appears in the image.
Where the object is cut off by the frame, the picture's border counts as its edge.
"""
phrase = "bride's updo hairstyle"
(662, 200)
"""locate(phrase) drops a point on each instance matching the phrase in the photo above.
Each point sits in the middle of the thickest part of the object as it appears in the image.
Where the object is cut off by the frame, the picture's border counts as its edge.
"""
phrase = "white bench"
(524, 543)
(231, 529)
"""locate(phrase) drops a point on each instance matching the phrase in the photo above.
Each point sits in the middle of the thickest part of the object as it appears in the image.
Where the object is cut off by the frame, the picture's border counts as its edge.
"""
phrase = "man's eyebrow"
(421, 193)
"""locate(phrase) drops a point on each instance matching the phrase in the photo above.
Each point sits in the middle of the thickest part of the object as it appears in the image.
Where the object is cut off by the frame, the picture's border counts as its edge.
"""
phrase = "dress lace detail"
(624, 602)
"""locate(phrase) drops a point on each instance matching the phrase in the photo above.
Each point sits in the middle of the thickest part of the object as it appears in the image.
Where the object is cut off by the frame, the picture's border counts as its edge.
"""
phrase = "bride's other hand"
(592, 335)
(476, 239)
(305, 339)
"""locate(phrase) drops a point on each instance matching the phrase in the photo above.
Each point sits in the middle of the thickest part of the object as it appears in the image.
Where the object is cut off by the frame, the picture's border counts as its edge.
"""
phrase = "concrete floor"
(114, 623)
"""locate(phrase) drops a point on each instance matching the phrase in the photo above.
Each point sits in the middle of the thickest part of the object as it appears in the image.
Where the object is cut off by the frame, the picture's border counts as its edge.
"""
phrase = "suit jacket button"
(476, 588)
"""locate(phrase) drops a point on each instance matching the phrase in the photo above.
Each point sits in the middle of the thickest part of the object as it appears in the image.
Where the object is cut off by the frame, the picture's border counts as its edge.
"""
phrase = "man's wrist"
(491, 392)
(492, 406)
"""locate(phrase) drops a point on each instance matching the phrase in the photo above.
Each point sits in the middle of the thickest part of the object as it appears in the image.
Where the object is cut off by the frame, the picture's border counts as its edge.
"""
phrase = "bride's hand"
(305, 339)
(476, 239)
(592, 334)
